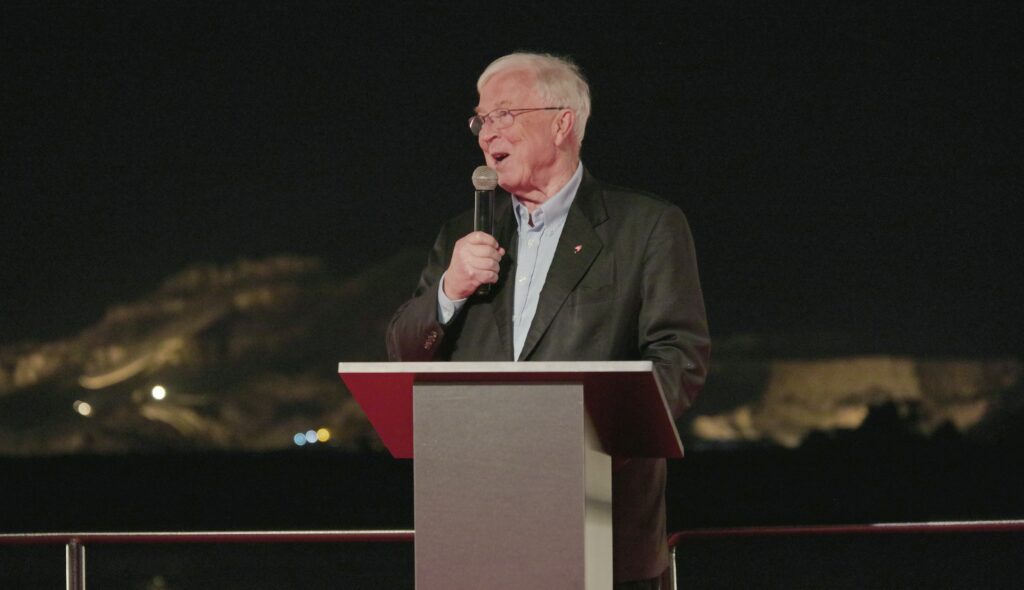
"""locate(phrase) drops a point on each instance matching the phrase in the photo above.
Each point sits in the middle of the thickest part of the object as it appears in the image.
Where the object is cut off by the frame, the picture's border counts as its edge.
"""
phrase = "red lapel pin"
(577, 249)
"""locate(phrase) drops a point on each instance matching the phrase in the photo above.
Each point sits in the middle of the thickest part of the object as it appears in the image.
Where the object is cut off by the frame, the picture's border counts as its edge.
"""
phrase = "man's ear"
(564, 126)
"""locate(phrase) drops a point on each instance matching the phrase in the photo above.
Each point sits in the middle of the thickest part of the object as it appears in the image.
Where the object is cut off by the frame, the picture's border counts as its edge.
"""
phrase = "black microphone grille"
(485, 178)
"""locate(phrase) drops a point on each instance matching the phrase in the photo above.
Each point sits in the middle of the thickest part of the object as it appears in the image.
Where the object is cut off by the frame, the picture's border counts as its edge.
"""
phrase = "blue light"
(299, 438)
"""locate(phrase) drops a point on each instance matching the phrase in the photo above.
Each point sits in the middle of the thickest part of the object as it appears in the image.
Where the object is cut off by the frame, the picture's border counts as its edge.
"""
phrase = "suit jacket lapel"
(577, 249)
(504, 299)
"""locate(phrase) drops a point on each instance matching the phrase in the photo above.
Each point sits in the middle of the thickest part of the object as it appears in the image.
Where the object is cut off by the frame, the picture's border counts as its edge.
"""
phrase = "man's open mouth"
(499, 156)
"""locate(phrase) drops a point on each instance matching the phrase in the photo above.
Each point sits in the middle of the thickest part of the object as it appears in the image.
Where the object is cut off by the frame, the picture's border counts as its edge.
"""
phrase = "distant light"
(323, 435)
(83, 408)
(311, 436)
(159, 392)
(299, 438)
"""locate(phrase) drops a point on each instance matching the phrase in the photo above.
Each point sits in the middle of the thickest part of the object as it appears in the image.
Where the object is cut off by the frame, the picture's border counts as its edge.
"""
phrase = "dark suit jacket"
(631, 292)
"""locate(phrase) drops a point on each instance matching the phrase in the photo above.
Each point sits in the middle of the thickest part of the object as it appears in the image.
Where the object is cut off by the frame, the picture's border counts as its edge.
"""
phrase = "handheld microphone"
(484, 181)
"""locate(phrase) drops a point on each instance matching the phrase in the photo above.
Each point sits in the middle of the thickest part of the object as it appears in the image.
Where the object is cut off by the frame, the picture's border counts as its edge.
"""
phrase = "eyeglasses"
(502, 118)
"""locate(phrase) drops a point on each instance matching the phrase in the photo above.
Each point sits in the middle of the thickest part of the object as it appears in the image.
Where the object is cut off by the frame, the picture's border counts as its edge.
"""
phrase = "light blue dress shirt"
(538, 237)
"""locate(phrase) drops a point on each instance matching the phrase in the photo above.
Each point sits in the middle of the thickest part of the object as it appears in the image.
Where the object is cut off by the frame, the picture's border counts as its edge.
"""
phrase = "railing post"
(668, 577)
(74, 563)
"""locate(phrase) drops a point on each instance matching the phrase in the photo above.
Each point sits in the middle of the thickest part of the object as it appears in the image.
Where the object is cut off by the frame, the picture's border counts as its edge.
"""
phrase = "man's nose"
(487, 132)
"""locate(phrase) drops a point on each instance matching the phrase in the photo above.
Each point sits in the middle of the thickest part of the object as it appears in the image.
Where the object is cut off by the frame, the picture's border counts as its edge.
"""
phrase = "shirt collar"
(554, 210)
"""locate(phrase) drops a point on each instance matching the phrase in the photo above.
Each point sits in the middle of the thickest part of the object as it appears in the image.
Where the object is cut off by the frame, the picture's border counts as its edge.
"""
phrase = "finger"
(483, 238)
(483, 264)
(481, 276)
(484, 252)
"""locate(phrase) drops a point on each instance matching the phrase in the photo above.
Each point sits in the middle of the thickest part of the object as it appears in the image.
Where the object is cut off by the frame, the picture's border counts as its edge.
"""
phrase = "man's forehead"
(502, 104)
(507, 89)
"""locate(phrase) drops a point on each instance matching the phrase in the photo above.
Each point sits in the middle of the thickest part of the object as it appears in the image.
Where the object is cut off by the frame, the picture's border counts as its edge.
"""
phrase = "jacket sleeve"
(414, 333)
(673, 329)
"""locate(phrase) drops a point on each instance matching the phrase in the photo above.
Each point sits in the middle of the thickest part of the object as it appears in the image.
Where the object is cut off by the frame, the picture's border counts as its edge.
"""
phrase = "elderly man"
(579, 270)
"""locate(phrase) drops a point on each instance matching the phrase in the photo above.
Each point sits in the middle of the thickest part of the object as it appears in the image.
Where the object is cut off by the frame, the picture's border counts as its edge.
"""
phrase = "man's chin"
(504, 181)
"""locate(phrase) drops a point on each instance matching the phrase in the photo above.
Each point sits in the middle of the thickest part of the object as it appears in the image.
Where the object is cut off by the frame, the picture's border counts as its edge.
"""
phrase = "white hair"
(559, 81)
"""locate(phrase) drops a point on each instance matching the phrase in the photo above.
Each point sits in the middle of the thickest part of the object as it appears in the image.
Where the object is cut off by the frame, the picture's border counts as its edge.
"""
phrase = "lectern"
(512, 467)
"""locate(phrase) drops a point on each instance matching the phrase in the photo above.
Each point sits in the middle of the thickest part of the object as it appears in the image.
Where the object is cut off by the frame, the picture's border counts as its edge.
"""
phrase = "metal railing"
(668, 580)
(74, 560)
(75, 543)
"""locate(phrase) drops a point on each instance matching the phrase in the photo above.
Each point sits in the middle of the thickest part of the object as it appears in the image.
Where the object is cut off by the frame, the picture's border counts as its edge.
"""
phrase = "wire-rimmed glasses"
(501, 118)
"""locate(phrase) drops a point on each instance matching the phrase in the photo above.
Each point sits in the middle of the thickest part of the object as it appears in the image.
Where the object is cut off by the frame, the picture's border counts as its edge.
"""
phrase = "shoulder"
(462, 218)
(624, 203)
(629, 199)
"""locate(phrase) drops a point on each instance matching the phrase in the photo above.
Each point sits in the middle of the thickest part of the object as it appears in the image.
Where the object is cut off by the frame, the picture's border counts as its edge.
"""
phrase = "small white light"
(83, 408)
(158, 392)
(311, 436)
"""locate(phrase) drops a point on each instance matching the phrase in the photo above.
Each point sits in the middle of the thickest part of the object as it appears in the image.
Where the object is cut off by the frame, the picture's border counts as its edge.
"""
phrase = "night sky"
(845, 168)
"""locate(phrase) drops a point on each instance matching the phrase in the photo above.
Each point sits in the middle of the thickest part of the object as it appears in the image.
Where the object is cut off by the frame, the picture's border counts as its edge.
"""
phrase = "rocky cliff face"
(247, 353)
(789, 399)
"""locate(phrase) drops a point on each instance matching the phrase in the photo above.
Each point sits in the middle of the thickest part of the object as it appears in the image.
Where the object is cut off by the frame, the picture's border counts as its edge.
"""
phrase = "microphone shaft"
(483, 220)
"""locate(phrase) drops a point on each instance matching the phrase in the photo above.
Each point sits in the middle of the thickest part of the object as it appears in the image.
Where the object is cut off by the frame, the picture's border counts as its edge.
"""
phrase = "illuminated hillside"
(246, 354)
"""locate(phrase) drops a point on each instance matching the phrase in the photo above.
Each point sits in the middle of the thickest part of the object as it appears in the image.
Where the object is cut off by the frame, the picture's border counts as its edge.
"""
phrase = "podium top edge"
(500, 367)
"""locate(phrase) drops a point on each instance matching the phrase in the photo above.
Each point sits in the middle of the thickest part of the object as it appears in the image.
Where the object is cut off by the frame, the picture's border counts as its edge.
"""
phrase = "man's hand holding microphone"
(476, 256)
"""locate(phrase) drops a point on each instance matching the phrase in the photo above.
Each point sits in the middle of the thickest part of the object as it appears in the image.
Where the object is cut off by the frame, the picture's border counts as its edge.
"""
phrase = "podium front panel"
(510, 491)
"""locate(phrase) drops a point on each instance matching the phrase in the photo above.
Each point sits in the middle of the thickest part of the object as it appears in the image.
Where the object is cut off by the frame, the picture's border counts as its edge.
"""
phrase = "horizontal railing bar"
(407, 535)
(960, 526)
(367, 536)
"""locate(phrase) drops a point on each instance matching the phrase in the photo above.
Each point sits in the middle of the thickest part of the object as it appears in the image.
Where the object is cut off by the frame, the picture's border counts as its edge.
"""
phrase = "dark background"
(846, 167)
